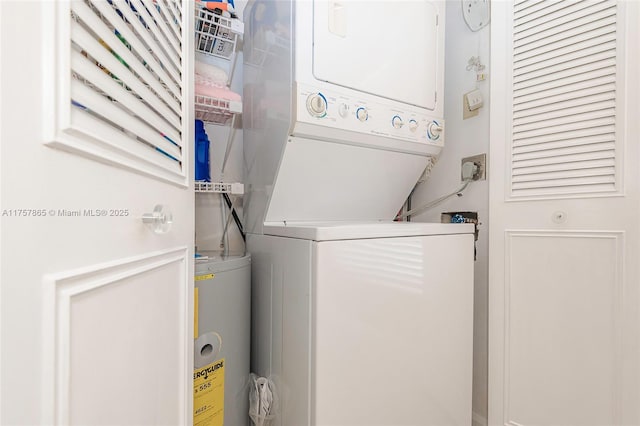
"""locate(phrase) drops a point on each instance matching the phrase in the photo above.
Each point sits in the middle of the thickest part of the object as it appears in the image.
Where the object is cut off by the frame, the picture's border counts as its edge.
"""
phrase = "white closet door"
(97, 312)
(565, 242)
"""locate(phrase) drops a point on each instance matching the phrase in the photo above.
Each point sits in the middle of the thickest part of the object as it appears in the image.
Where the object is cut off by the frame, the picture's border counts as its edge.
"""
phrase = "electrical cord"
(470, 172)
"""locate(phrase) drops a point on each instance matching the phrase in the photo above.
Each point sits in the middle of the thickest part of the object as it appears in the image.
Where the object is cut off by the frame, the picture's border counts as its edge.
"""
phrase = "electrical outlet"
(479, 160)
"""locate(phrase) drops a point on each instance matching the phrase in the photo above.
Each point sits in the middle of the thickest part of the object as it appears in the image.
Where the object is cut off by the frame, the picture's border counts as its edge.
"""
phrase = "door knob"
(160, 220)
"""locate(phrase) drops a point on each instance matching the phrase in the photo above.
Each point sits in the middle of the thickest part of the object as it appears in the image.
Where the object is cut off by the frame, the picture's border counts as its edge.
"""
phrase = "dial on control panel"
(434, 129)
(397, 122)
(413, 125)
(317, 105)
(343, 110)
(362, 114)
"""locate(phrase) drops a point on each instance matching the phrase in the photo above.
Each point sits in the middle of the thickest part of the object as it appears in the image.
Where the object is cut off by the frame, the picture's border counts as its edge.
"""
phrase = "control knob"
(343, 110)
(396, 122)
(317, 105)
(413, 125)
(362, 114)
(434, 130)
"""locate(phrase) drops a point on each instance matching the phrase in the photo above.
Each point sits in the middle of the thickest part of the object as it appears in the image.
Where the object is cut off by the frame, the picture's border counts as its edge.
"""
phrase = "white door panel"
(369, 47)
(97, 310)
(96, 353)
(562, 343)
(564, 334)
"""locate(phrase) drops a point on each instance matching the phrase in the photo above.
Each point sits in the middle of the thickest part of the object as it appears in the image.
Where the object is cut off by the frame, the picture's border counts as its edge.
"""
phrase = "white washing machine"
(365, 324)
(359, 320)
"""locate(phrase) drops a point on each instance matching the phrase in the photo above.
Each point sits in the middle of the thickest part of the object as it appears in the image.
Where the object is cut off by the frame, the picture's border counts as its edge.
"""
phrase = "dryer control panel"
(360, 114)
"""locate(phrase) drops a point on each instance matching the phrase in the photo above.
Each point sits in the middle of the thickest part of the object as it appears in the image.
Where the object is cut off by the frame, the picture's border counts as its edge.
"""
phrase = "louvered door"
(565, 77)
(564, 277)
(97, 115)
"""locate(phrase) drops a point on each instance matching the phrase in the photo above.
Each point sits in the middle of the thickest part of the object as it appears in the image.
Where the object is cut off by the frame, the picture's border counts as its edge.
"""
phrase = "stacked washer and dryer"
(359, 320)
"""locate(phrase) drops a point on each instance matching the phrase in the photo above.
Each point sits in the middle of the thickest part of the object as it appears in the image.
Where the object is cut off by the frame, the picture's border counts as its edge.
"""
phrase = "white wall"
(464, 138)
(209, 216)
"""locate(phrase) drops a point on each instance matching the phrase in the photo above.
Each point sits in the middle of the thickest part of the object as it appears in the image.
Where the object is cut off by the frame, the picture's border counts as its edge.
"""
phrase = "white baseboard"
(478, 419)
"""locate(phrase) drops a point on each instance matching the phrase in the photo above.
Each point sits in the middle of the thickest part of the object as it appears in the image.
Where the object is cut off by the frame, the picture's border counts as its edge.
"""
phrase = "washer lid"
(330, 231)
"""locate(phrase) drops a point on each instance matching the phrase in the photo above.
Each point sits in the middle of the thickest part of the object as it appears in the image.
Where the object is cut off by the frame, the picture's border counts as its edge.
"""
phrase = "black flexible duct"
(236, 219)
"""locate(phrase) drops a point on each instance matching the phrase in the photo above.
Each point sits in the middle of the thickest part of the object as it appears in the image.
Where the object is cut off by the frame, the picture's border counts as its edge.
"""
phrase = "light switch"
(466, 112)
(474, 100)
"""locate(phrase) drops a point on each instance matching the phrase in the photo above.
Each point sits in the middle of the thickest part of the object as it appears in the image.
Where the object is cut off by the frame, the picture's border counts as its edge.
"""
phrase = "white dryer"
(360, 320)
(342, 106)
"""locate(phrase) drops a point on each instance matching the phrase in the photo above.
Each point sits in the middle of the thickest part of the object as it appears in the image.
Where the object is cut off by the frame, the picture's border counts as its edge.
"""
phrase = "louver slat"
(105, 108)
(584, 155)
(589, 190)
(539, 11)
(601, 62)
(151, 20)
(559, 93)
(145, 74)
(591, 114)
(570, 10)
(569, 28)
(545, 169)
(125, 89)
(140, 157)
(558, 55)
(562, 80)
(168, 28)
(578, 106)
(563, 61)
(566, 183)
(544, 102)
(532, 5)
(565, 138)
(564, 174)
(573, 125)
(143, 42)
(566, 64)
(563, 107)
(171, 19)
(151, 36)
(86, 69)
(544, 146)
(564, 98)
(107, 61)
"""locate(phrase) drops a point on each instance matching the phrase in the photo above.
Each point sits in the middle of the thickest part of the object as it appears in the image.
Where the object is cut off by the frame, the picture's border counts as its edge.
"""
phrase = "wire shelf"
(215, 110)
(219, 187)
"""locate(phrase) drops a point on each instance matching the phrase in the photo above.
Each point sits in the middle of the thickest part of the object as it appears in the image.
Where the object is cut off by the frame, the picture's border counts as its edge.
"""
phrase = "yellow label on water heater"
(204, 277)
(208, 395)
